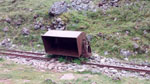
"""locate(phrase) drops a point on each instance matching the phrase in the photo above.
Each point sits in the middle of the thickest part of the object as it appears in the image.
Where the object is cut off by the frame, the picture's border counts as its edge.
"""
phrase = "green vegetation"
(21, 74)
(1, 59)
(112, 31)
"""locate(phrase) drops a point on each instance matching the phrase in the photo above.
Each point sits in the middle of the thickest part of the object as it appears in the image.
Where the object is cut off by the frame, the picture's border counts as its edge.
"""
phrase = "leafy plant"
(62, 59)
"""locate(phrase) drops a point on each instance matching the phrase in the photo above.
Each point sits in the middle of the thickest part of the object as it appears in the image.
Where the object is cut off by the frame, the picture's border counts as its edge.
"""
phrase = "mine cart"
(66, 43)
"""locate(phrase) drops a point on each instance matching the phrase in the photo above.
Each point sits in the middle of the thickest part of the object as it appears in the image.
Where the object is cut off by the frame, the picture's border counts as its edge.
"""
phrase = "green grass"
(21, 74)
(133, 18)
(1, 59)
(128, 18)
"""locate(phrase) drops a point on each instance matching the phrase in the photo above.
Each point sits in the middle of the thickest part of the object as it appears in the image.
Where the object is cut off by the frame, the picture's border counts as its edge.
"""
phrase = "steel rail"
(21, 51)
(25, 56)
(92, 64)
(118, 67)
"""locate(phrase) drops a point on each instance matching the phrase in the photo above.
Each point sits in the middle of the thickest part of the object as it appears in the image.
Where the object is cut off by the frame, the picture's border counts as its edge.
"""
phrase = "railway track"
(39, 56)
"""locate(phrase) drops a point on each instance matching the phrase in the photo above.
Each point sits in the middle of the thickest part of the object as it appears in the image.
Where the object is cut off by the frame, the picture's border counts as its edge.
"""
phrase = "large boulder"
(58, 8)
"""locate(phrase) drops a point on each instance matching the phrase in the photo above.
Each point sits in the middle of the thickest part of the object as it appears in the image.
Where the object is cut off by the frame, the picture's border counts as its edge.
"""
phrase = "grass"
(1, 59)
(111, 25)
(67, 59)
(21, 74)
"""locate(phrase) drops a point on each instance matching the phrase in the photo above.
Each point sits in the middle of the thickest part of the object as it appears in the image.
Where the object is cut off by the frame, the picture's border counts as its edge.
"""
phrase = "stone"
(94, 71)
(135, 45)
(36, 27)
(114, 71)
(43, 28)
(89, 37)
(5, 29)
(103, 60)
(106, 53)
(116, 78)
(58, 8)
(25, 31)
(18, 22)
(35, 16)
(6, 42)
(8, 20)
(125, 53)
(136, 39)
(68, 76)
(142, 73)
(58, 24)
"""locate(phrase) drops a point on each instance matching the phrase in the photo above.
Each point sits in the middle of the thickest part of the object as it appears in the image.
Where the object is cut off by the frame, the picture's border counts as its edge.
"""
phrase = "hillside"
(121, 31)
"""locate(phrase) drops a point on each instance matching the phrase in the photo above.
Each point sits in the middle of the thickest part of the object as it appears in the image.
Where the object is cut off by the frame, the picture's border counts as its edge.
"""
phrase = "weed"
(78, 61)
(62, 59)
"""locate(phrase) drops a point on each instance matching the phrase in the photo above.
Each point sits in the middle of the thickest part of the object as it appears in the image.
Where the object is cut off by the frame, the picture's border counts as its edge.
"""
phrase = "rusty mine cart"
(66, 43)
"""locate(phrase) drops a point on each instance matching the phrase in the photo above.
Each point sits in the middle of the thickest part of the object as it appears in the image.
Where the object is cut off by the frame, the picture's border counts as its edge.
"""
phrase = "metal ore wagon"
(66, 43)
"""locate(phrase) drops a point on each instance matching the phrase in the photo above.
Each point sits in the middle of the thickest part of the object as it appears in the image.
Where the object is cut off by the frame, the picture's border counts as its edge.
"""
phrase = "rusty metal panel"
(66, 43)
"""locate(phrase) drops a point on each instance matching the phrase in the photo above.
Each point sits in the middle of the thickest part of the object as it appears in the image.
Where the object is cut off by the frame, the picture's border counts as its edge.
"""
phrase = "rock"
(125, 53)
(106, 53)
(36, 27)
(8, 20)
(103, 60)
(142, 73)
(116, 78)
(135, 45)
(36, 16)
(25, 31)
(43, 28)
(18, 22)
(113, 71)
(126, 59)
(83, 5)
(89, 37)
(136, 39)
(82, 70)
(58, 24)
(124, 72)
(94, 71)
(6, 42)
(69, 76)
(58, 8)
(5, 29)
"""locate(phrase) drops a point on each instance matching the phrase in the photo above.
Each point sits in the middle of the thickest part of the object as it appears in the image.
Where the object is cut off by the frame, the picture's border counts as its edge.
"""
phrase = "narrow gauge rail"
(8, 50)
(10, 53)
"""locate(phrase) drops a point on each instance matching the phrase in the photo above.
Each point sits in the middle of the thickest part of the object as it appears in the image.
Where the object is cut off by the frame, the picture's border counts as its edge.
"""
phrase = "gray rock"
(78, 2)
(25, 31)
(6, 42)
(36, 27)
(114, 71)
(5, 29)
(136, 38)
(58, 8)
(43, 28)
(142, 73)
(106, 53)
(94, 71)
(58, 24)
(8, 20)
(89, 37)
(125, 53)
(116, 78)
(135, 45)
